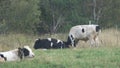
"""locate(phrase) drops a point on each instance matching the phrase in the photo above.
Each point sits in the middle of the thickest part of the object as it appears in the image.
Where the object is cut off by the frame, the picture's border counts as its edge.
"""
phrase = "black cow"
(49, 43)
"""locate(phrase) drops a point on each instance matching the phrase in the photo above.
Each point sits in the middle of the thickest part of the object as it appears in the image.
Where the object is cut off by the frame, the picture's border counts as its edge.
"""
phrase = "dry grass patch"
(109, 38)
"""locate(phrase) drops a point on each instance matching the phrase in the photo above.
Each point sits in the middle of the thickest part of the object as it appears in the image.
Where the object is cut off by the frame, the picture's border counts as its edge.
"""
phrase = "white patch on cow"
(11, 55)
(49, 39)
(36, 39)
(58, 41)
(51, 44)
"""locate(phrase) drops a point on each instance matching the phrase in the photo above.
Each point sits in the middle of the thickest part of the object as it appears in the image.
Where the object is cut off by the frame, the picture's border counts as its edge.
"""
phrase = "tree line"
(54, 16)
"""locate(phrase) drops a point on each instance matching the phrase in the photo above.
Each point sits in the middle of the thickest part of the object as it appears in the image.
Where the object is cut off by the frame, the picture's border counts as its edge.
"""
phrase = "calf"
(85, 33)
(49, 43)
(17, 54)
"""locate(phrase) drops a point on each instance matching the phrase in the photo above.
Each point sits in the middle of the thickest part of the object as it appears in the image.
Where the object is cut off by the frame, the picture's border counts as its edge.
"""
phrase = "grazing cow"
(85, 33)
(16, 54)
(49, 43)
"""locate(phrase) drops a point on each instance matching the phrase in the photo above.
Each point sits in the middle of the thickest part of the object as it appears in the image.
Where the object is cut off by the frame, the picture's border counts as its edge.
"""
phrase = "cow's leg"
(92, 42)
(97, 42)
(75, 42)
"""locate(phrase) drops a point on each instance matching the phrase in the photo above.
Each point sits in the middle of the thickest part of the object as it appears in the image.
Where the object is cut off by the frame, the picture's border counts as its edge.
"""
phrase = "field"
(107, 55)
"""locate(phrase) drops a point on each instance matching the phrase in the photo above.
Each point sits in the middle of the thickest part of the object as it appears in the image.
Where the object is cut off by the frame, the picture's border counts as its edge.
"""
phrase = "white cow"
(16, 54)
(85, 33)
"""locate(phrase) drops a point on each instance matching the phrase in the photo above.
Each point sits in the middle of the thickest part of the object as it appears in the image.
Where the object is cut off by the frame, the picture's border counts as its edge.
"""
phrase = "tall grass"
(12, 41)
(105, 56)
(110, 37)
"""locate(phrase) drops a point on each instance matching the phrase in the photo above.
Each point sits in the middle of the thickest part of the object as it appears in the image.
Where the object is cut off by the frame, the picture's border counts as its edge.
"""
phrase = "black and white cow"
(50, 43)
(16, 54)
(85, 33)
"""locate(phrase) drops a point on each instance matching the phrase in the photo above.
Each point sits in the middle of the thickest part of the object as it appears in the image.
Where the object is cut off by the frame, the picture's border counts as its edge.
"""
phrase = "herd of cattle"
(80, 32)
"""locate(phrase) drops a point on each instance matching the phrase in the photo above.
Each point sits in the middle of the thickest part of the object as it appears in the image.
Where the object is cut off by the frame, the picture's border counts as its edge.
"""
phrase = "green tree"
(111, 14)
(60, 15)
(20, 15)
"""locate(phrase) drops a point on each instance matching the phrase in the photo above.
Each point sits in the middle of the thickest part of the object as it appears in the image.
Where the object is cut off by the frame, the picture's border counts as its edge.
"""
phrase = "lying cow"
(85, 33)
(49, 43)
(16, 54)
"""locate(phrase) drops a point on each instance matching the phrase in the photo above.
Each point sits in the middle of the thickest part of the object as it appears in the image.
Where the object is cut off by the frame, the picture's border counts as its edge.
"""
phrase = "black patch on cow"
(65, 44)
(72, 37)
(83, 30)
(46, 44)
(22, 52)
(25, 51)
(42, 43)
(3, 57)
(97, 28)
(68, 41)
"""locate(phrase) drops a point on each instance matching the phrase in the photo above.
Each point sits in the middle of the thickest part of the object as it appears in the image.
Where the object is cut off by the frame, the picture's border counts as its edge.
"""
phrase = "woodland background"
(56, 16)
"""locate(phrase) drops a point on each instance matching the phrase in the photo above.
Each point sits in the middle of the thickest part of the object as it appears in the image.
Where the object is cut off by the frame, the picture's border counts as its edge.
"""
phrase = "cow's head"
(25, 52)
(98, 28)
(65, 44)
(70, 41)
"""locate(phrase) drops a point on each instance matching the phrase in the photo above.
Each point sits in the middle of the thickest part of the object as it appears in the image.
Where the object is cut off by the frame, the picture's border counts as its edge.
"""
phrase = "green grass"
(70, 58)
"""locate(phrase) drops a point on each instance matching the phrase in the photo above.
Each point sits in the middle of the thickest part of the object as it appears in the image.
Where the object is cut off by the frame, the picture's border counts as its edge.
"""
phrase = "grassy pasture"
(105, 56)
